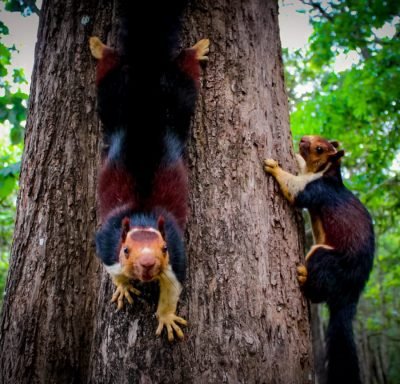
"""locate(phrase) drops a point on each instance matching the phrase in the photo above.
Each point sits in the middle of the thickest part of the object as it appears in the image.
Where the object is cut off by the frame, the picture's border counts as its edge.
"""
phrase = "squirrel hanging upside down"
(143, 183)
(338, 265)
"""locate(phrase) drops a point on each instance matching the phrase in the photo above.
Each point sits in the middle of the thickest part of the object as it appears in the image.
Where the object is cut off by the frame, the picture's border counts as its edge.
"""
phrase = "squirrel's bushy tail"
(343, 365)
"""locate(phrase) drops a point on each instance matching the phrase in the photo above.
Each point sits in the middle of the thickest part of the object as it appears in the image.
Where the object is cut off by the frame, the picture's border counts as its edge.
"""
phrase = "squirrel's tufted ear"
(125, 227)
(336, 156)
(335, 143)
(161, 225)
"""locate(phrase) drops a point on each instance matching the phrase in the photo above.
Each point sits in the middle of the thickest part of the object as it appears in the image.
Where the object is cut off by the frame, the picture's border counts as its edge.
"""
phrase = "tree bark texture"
(248, 322)
(46, 325)
(318, 339)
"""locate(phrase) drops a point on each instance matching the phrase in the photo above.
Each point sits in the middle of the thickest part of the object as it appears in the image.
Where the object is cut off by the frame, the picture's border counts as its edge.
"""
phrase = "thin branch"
(318, 7)
(364, 51)
(32, 5)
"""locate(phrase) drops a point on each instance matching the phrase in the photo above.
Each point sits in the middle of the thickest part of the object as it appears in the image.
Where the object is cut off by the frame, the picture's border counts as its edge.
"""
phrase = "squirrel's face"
(318, 152)
(143, 254)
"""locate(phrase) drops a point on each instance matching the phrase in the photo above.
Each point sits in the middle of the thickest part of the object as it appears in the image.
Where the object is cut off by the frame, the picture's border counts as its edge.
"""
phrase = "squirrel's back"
(147, 93)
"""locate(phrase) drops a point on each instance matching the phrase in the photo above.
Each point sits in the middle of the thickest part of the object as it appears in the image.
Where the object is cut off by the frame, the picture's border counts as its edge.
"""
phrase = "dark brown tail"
(341, 349)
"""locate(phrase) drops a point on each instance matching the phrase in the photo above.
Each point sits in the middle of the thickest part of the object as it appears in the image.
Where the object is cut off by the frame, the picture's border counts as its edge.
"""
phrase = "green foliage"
(12, 98)
(359, 107)
(9, 172)
(25, 7)
(13, 104)
(348, 25)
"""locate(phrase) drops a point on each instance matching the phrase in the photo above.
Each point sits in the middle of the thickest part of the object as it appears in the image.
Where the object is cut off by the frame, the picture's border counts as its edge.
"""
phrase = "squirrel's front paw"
(96, 47)
(169, 320)
(302, 274)
(202, 47)
(270, 165)
(124, 290)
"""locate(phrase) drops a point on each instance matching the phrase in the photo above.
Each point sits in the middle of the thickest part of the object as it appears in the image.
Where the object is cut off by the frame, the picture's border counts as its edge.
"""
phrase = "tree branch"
(364, 51)
(318, 7)
(32, 5)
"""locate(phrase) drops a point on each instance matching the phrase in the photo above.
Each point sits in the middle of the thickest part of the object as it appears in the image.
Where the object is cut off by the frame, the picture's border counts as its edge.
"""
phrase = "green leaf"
(7, 186)
(17, 134)
(11, 170)
(19, 76)
(3, 29)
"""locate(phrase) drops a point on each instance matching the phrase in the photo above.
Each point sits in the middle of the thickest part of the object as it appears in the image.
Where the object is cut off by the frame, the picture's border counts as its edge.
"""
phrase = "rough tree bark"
(318, 339)
(317, 323)
(46, 325)
(248, 322)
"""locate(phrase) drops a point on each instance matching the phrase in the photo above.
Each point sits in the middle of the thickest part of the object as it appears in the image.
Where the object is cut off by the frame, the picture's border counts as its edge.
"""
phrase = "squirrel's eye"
(164, 249)
(126, 251)
(319, 150)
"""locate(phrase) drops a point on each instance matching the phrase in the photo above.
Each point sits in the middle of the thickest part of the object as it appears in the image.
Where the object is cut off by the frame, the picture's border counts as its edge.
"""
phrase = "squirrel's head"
(143, 254)
(318, 152)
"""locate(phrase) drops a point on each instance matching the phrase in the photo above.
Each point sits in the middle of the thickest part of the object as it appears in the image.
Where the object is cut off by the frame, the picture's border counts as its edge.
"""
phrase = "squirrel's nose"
(147, 261)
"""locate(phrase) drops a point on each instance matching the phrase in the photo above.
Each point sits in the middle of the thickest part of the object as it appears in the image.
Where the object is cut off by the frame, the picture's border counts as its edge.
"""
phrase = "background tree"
(359, 107)
(12, 119)
(52, 285)
(247, 318)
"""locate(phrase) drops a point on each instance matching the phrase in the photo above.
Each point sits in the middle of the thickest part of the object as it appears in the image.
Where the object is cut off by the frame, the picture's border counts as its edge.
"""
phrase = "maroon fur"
(346, 227)
(170, 188)
(189, 64)
(106, 64)
(170, 191)
(115, 188)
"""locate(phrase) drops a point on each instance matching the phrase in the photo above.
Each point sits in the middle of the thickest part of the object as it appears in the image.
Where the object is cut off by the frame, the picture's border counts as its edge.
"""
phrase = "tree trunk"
(46, 325)
(363, 348)
(318, 339)
(248, 322)
(317, 323)
(247, 319)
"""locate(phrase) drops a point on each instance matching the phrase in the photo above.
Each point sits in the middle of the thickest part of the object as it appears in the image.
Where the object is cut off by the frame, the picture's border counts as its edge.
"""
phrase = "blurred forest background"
(355, 102)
